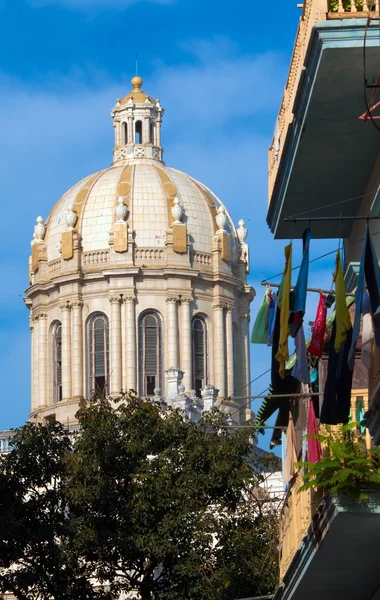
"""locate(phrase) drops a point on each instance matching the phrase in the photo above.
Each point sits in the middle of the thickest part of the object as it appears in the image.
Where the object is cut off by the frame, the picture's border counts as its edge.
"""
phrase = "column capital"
(41, 315)
(230, 306)
(114, 299)
(130, 298)
(77, 304)
(218, 305)
(186, 300)
(65, 305)
(172, 299)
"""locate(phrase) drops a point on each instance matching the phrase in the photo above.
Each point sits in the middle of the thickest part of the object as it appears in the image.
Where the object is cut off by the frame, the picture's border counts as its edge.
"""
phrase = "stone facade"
(138, 239)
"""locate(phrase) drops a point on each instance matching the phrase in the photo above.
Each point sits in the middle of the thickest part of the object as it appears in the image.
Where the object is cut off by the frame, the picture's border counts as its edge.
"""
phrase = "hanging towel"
(301, 368)
(291, 451)
(272, 318)
(260, 328)
(298, 295)
(337, 393)
(283, 350)
(358, 301)
(343, 321)
(367, 337)
(319, 328)
(314, 450)
(372, 278)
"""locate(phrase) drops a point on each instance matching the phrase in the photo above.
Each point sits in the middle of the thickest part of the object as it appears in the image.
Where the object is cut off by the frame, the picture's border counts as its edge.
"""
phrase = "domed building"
(138, 281)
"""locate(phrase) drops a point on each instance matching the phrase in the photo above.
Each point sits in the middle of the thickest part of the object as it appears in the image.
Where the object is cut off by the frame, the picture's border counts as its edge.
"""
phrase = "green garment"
(343, 321)
(260, 328)
(282, 354)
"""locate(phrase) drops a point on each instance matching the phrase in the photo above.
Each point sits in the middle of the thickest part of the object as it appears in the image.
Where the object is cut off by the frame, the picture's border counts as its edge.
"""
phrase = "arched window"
(125, 128)
(138, 136)
(150, 345)
(57, 363)
(151, 132)
(98, 345)
(199, 335)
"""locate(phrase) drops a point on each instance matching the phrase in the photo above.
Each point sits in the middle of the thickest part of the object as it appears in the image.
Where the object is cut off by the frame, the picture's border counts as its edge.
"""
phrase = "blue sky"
(219, 69)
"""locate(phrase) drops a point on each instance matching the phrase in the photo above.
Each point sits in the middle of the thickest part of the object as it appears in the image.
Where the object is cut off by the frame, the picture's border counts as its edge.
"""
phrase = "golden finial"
(136, 83)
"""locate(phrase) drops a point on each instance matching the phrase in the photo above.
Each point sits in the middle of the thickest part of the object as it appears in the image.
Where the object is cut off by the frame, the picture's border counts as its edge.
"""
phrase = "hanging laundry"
(283, 349)
(372, 278)
(298, 294)
(337, 393)
(319, 328)
(260, 328)
(287, 385)
(367, 337)
(358, 301)
(291, 451)
(301, 368)
(342, 319)
(272, 318)
(314, 450)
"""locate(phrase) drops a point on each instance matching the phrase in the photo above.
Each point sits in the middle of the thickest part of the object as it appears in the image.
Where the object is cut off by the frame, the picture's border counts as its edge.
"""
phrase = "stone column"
(230, 353)
(34, 363)
(172, 333)
(130, 130)
(158, 132)
(77, 349)
(66, 351)
(186, 344)
(42, 359)
(219, 349)
(131, 343)
(146, 132)
(116, 356)
(246, 367)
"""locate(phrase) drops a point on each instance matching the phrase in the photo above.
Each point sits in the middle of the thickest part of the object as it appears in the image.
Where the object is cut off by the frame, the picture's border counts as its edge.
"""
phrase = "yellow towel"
(282, 354)
(343, 321)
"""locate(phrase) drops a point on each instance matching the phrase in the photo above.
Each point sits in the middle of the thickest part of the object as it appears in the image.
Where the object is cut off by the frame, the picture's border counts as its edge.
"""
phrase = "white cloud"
(95, 4)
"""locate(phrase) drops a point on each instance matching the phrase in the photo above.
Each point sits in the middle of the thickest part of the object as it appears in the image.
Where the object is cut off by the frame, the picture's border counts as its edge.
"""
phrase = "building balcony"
(338, 556)
(322, 154)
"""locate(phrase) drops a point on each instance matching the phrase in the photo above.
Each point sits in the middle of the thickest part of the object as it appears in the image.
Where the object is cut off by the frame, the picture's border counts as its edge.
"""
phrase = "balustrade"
(312, 12)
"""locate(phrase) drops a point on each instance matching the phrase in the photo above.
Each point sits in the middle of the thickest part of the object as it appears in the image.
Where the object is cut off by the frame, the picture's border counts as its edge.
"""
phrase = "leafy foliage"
(347, 466)
(139, 501)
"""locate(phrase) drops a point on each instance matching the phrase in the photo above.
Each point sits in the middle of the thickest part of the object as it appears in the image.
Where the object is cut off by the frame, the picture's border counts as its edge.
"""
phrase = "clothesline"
(253, 426)
(317, 290)
(298, 395)
(342, 218)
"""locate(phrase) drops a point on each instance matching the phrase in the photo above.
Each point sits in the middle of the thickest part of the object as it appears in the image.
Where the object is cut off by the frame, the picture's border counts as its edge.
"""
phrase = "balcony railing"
(5, 439)
(312, 12)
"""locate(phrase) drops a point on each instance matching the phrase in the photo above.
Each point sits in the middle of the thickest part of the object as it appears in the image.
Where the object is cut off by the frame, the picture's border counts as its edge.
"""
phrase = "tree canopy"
(139, 501)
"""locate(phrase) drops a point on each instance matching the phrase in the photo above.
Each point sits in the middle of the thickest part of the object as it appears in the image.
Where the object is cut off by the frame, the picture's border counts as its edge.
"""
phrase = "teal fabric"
(260, 328)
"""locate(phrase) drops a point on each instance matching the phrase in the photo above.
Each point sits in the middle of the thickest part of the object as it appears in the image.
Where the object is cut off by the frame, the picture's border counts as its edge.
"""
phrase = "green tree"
(142, 501)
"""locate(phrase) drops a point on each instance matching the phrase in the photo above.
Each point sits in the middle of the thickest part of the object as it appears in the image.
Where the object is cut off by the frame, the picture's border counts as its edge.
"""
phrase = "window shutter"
(58, 359)
(150, 346)
(199, 353)
(99, 348)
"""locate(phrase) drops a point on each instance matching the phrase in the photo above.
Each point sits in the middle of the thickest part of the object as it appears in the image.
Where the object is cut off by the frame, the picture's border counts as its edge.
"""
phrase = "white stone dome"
(148, 188)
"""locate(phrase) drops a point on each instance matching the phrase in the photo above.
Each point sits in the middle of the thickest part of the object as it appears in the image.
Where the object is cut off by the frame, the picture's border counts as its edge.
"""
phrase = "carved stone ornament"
(71, 217)
(121, 211)
(177, 212)
(242, 232)
(221, 219)
(39, 231)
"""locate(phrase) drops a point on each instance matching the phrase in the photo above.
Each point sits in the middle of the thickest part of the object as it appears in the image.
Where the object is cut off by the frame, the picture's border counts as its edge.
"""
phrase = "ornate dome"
(148, 189)
(138, 281)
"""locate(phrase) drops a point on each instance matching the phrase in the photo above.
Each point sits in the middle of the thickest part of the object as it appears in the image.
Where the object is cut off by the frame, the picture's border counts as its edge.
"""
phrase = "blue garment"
(369, 273)
(298, 295)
